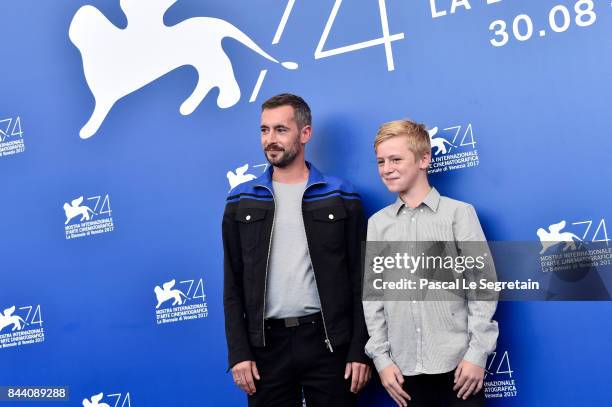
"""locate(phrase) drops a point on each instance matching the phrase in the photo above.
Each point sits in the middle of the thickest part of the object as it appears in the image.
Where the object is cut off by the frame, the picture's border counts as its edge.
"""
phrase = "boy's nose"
(387, 169)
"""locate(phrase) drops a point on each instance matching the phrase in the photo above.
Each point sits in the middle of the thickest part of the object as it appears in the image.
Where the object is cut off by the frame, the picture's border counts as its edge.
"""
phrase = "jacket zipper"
(327, 341)
(263, 314)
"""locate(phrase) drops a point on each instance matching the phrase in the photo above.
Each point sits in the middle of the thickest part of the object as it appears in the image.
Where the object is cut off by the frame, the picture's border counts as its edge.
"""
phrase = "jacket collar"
(314, 177)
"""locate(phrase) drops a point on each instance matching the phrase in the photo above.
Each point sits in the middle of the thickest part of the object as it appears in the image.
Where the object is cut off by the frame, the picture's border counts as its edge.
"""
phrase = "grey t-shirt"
(291, 288)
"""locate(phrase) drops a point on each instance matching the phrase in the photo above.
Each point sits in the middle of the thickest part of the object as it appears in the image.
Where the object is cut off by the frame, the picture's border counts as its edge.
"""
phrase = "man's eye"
(396, 160)
(380, 163)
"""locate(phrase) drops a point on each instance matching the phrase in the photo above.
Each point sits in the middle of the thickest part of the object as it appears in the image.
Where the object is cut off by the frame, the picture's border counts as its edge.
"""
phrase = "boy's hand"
(468, 379)
(391, 377)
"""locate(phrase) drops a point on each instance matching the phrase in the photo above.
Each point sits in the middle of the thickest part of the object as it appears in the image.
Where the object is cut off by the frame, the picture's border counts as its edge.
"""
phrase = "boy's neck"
(414, 196)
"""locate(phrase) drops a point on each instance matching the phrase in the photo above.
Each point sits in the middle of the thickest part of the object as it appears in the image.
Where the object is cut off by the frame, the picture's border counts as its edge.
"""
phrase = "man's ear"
(425, 160)
(305, 134)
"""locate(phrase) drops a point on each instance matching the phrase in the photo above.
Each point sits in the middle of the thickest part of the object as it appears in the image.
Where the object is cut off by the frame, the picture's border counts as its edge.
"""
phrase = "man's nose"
(271, 137)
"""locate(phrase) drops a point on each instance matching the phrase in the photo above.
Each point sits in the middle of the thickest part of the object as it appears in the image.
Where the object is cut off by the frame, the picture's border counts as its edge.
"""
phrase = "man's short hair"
(301, 110)
(416, 136)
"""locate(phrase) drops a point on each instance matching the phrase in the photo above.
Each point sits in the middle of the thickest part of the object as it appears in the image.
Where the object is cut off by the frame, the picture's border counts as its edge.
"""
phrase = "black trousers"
(436, 390)
(297, 359)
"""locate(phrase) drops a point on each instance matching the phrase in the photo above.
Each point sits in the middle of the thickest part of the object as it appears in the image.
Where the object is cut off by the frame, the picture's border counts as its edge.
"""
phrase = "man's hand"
(243, 374)
(360, 373)
(392, 379)
(468, 379)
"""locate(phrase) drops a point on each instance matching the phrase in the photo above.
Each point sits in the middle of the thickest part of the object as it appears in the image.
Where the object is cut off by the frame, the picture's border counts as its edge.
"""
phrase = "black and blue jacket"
(335, 227)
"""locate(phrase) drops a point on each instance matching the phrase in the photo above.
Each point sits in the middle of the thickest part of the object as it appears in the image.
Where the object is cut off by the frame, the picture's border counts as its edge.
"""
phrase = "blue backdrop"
(93, 221)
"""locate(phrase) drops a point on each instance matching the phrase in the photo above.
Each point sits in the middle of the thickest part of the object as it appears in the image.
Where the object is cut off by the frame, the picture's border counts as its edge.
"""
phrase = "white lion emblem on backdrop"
(553, 236)
(74, 209)
(168, 293)
(7, 318)
(117, 62)
(95, 401)
(438, 142)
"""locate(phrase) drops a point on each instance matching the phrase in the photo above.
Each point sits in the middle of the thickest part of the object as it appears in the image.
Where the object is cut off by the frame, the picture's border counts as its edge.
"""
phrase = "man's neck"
(294, 173)
(415, 195)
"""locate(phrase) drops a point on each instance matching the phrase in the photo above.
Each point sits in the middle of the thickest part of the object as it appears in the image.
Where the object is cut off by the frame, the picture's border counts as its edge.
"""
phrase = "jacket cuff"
(356, 353)
(239, 356)
(382, 361)
(476, 357)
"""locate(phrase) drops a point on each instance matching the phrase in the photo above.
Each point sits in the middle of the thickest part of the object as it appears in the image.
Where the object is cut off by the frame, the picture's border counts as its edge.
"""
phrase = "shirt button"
(421, 210)
(331, 216)
(414, 301)
(248, 217)
(403, 212)
(418, 329)
(413, 219)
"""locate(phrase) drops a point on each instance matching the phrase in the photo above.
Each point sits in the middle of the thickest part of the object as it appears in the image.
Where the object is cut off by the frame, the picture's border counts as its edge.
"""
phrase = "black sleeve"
(238, 347)
(356, 234)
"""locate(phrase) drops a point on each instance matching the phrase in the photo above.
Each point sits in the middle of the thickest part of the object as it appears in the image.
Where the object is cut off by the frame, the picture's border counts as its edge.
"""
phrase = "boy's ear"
(425, 160)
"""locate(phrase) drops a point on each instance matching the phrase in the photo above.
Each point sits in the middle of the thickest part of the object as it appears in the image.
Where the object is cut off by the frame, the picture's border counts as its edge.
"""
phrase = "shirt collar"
(431, 200)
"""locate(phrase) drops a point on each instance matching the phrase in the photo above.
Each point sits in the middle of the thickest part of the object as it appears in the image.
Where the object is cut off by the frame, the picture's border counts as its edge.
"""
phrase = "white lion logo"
(74, 209)
(438, 142)
(239, 177)
(95, 401)
(167, 293)
(7, 318)
(117, 62)
(553, 237)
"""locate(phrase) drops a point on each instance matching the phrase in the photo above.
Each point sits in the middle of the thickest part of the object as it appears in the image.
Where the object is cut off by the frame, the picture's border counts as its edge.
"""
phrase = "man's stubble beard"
(287, 156)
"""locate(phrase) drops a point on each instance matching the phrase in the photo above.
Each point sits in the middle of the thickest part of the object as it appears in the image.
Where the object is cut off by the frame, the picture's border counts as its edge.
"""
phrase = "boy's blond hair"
(416, 136)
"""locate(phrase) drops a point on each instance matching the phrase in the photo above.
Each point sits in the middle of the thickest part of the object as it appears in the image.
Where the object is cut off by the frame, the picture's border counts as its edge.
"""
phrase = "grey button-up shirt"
(428, 336)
